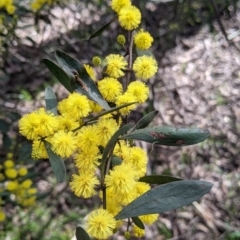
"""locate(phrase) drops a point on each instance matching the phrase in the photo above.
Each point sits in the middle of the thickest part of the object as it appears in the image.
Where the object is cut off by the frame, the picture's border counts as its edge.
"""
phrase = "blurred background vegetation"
(33, 30)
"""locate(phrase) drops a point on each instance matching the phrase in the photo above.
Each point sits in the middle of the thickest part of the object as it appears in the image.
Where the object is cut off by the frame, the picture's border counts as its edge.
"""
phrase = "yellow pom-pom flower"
(129, 17)
(95, 107)
(83, 185)
(138, 232)
(143, 40)
(139, 90)
(123, 99)
(121, 180)
(29, 126)
(87, 140)
(96, 61)
(116, 64)
(77, 106)
(64, 143)
(2, 216)
(105, 128)
(100, 224)
(26, 184)
(39, 150)
(8, 164)
(38, 124)
(90, 71)
(67, 124)
(149, 219)
(11, 173)
(117, 5)
(12, 186)
(110, 88)
(145, 67)
(22, 171)
(121, 39)
(138, 158)
(87, 161)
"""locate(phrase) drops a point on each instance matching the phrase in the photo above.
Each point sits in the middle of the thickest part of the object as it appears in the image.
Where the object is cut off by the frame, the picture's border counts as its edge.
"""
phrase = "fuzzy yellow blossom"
(26, 184)
(105, 128)
(100, 224)
(145, 67)
(77, 106)
(149, 218)
(39, 150)
(121, 39)
(143, 40)
(83, 185)
(67, 124)
(87, 141)
(96, 61)
(117, 5)
(8, 164)
(87, 161)
(129, 17)
(95, 107)
(36, 5)
(139, 90)
(39, 123)
(121, 180)
(116, 64)
(22, 171)
(110, 88)
(138, 232)
(90, 72)
(2, 216)
(11, 173)
(12, 185)
(138, 158)
(123, 99)
(2, 177)
(64, 143)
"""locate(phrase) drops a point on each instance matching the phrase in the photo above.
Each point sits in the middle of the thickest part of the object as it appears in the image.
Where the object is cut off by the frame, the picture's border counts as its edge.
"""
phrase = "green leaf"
(165, 198)
(137, 221)
(7, 141)
(51, 100)
(5, 194)
(57, 164)
(158, 179)
(116, 161)
(80, 80)
(100, 30)
(144, 121)
(62, 77)
(4, 126)
(81, 234)
(169, 136)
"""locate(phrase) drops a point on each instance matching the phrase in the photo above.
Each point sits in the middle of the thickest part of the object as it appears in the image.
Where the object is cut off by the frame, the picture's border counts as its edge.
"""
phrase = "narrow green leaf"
(158, 179)
(116, 161)
(7, 141)
(62, 77)
(5, 194)
(165, 198)
(80, 80)
(137, 221)
(81, 234)
(144, 121)
(100, 30)
(57, 164)
(51, 100)
(169, 136)
(4, 126)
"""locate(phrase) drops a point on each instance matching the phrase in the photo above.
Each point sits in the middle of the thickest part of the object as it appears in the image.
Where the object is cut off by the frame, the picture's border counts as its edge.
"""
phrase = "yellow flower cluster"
(8, 6)
(73, 132)
(13, 180)
(38, 4)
